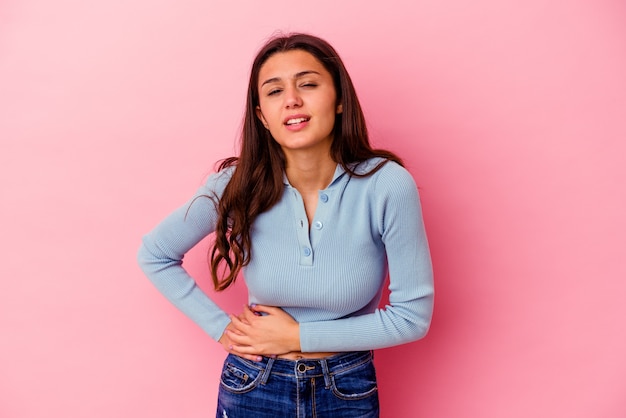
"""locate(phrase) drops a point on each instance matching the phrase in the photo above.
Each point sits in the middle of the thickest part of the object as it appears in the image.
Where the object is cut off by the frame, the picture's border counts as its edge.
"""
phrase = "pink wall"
(511, 116)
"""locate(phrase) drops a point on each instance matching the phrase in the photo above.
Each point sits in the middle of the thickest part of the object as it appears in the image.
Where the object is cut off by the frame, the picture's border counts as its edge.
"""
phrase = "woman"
(316, 219)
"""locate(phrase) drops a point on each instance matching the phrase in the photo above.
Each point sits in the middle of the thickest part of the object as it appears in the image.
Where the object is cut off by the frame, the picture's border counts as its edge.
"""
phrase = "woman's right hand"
(228, 345)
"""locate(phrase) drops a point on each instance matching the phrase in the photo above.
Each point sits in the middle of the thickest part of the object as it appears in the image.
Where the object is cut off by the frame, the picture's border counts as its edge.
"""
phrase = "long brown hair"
(257, 181)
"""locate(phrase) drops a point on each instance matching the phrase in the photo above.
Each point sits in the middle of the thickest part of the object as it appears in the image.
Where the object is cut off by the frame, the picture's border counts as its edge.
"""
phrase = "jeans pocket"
(239, 376)
(355, 383)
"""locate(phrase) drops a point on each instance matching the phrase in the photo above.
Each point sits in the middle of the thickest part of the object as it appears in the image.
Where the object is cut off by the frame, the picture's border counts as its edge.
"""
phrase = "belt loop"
(326, 371)
(268, 369)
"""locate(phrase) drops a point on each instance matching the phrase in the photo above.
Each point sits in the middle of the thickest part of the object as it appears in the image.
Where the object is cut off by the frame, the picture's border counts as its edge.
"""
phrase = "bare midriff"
(299, 355)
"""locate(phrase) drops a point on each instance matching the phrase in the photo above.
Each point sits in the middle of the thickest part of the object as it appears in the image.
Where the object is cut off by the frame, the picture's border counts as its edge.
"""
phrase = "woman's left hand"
(264, 330)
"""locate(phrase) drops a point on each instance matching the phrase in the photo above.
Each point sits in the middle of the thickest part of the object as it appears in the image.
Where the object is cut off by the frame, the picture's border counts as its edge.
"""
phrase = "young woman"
(315, 219)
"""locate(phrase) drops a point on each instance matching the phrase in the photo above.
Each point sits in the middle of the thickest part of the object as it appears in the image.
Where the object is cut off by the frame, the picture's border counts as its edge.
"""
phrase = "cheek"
(331, 113)
(268, 113)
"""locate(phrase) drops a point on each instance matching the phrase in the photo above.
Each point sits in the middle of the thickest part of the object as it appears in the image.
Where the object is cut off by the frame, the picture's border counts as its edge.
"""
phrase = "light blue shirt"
(330, 275)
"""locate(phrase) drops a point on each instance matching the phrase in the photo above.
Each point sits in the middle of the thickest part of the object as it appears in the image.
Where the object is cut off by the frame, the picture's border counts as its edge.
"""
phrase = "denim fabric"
(341, 386)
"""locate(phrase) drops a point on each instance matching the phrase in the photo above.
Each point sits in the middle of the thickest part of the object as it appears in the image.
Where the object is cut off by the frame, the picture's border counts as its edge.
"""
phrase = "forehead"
(284, 65)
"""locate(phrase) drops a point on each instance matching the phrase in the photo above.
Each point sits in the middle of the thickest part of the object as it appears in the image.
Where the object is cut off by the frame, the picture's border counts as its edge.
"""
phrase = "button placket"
(320, 220)
(302, 229)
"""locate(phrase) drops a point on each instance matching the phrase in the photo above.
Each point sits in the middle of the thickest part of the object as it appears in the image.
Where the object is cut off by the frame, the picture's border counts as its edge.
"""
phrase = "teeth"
(294, 121)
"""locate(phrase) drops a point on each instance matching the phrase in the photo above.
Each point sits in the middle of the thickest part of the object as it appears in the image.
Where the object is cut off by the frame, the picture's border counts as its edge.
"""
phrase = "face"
(297, 102)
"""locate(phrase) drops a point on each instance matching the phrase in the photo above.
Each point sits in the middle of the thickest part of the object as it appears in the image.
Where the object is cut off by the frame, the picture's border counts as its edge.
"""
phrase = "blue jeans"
(340, 386)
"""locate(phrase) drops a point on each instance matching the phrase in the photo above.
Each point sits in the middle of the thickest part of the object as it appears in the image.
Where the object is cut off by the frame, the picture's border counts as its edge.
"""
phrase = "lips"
(296, 119)
(295, 123)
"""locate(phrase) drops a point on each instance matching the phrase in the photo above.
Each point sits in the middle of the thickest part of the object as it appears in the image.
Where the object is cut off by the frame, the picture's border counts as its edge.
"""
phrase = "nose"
(292, 98)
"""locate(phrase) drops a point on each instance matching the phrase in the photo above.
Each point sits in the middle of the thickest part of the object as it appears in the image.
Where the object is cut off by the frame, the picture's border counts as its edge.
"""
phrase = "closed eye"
(273, 92)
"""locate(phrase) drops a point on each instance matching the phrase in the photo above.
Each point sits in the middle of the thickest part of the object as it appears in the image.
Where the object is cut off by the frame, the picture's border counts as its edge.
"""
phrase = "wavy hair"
(257, 180)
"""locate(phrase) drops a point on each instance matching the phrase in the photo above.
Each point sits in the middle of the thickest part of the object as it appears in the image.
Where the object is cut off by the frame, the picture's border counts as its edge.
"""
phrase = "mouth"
(297, 120)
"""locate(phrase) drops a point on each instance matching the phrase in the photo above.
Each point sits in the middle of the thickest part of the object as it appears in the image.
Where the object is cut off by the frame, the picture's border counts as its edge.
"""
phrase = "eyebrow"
(296, 76)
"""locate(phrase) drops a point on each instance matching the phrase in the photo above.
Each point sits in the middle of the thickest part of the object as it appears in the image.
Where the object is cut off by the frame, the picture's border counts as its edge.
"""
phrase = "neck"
(309, 173)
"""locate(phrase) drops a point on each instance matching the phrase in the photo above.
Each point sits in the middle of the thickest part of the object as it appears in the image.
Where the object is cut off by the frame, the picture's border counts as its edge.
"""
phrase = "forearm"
(173, 281)
(380, 329)
(162, 250)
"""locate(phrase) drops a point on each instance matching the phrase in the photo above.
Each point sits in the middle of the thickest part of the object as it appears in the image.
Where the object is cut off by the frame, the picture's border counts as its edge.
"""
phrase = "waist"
(304, 356)
(315, 366)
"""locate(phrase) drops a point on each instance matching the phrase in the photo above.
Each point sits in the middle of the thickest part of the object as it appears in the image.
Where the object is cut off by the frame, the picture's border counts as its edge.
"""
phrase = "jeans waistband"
(309, 368)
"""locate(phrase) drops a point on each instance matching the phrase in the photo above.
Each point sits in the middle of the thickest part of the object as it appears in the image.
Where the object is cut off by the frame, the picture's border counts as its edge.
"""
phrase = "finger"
(251, 309)
(249, 356)
(242, 317)
(245, 350)
(248, 315)
(264, 309)
(228, 346)
(232, 328)
(238, 340)
(239, 325)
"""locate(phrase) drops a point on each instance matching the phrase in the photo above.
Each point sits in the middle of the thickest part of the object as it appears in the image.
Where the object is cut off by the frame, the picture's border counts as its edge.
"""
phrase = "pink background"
(510, 115)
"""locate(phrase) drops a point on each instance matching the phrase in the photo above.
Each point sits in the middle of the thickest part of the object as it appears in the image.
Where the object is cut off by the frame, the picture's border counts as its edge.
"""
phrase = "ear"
(259, 115)
(339, 108)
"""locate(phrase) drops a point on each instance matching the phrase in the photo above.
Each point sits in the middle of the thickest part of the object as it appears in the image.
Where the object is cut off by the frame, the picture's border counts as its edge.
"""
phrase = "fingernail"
(230, 347)
(253, 305)
(259, 358)
(273, 356)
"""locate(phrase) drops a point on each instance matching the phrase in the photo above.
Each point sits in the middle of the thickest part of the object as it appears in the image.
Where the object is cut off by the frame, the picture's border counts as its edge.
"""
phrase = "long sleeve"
(330, 276)
(161, 254)
(398, 214)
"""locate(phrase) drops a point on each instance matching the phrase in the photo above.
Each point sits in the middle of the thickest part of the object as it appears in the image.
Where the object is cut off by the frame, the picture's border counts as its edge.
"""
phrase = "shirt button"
(324, 197)
(318, 225)
(306, 251)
